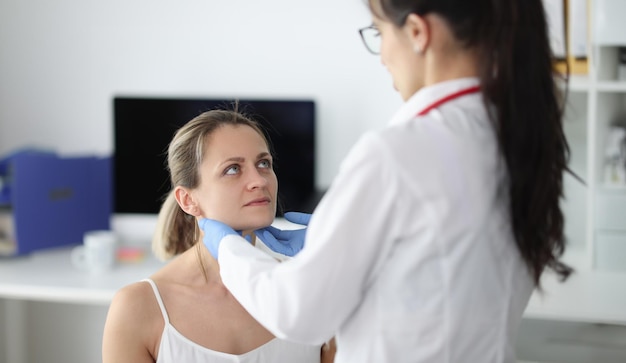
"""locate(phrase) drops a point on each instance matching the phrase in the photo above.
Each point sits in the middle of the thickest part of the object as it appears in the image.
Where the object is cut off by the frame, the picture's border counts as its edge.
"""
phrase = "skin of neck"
(210, 263)
(446, 58)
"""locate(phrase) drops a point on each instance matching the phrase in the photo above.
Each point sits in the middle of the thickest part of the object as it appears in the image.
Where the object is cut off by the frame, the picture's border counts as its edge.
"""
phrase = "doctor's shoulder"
(410, 136)
(376, 148)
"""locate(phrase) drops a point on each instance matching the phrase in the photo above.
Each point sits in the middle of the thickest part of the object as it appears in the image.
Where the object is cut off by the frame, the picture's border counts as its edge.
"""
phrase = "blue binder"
(53, 200)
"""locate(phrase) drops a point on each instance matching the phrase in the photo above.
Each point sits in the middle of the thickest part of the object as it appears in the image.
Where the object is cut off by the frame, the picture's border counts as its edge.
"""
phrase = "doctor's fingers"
(271, 234)
(298, 217)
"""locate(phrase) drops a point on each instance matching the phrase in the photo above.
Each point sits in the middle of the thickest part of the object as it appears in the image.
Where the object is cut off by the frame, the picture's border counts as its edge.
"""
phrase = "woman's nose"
(257, 180)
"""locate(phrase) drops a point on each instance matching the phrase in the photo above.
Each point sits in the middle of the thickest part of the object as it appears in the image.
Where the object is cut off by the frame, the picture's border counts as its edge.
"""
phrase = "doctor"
(433, 235)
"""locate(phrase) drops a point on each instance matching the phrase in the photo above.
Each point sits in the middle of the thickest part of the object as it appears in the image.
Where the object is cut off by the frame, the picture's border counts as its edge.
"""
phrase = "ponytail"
(175, 231)
(518, 78)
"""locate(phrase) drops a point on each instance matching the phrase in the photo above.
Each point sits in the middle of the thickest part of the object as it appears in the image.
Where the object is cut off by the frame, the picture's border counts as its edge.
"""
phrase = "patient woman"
(221, 168)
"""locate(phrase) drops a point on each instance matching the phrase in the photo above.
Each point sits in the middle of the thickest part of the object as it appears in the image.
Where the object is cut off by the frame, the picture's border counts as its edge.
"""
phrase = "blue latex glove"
(214, 232)
(288, 242)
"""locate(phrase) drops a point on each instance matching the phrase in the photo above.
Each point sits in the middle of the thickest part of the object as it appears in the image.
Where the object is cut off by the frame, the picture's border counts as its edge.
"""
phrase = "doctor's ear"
(418, 31)
(186, 201)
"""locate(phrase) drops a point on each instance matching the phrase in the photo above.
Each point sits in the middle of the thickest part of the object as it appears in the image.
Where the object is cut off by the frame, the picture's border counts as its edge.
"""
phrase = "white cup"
(97, 253)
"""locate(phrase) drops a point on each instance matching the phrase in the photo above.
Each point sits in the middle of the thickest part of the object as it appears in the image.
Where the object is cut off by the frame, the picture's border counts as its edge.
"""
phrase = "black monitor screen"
(144, 128)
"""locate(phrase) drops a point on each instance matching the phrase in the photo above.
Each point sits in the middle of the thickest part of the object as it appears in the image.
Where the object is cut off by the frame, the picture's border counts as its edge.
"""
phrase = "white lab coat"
(409, 257)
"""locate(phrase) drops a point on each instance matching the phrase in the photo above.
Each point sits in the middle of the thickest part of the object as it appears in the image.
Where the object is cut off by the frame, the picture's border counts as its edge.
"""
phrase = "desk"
(48, 276)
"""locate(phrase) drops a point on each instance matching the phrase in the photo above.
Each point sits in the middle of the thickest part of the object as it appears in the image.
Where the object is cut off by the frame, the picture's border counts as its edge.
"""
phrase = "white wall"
(62, 61)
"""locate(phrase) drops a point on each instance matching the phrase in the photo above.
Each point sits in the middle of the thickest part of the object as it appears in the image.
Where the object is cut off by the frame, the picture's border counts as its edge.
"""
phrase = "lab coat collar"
(427, 95)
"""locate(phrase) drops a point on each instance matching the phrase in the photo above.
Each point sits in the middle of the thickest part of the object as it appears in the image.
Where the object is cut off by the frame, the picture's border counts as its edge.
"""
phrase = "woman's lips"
(257, 202)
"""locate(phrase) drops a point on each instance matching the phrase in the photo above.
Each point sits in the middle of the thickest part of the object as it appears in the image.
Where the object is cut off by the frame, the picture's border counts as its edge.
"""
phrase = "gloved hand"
(214, 232)
(288, 242)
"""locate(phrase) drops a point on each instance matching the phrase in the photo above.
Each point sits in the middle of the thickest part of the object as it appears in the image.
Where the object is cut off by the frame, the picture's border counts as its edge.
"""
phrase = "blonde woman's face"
(237, 181)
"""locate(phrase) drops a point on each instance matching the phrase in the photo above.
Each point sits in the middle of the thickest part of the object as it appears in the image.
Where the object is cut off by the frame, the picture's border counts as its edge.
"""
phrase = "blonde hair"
(177, 231)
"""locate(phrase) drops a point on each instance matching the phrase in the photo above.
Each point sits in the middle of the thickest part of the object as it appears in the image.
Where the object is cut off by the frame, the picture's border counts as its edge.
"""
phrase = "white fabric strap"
(159, 300)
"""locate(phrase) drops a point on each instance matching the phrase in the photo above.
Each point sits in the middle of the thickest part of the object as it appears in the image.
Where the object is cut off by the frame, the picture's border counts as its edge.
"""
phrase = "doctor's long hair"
(518, 80)
(177, 231)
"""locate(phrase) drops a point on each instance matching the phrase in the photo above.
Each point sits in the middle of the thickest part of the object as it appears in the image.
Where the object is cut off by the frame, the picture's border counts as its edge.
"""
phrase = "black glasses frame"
(363, 38)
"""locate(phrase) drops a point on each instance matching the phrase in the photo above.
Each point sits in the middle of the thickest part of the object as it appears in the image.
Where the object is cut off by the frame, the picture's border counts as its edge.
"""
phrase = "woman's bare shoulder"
(135, 302)
(138, 290)
(132, 327)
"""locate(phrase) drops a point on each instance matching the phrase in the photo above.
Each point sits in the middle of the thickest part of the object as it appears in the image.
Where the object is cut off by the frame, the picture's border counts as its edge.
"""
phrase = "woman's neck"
(447, 58)
(449, 67)
(250, 236)
(208, 264)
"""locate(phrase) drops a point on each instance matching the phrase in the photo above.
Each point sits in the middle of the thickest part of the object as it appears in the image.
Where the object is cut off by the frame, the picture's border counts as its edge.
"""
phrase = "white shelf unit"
(595, 213)
(583, 320)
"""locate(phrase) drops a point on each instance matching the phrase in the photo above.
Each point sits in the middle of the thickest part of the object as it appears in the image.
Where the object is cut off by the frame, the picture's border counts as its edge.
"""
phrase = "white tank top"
(175, 347)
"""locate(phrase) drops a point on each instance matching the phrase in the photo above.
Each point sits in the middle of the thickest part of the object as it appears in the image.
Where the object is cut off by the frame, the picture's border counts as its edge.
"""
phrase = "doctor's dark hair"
(518, 82)
(177, 231)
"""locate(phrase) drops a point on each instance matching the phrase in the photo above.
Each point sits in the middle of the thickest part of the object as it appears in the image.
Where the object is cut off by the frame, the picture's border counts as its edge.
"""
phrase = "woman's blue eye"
(232, 170)
(266, 164)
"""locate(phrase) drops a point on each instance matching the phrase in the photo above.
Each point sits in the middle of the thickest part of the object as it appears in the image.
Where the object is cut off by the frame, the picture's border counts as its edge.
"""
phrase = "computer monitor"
(144, 127)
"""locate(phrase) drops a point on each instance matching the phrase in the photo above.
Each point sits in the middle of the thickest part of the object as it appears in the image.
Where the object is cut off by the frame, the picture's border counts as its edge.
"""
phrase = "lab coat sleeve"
(309, 297)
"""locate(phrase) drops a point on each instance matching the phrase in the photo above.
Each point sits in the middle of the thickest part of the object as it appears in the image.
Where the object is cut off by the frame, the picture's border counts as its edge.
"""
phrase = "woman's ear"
(417, 29)
(186, 201)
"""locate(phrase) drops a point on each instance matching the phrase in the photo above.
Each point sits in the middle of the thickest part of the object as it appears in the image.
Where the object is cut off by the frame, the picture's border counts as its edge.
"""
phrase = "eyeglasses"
(371, 38)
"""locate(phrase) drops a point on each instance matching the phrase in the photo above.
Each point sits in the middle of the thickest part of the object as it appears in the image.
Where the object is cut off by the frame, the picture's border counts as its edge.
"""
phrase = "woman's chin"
(253, 224)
